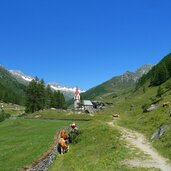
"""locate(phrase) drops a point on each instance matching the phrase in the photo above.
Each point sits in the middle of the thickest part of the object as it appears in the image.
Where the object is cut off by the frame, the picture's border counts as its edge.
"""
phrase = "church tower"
(77, 99)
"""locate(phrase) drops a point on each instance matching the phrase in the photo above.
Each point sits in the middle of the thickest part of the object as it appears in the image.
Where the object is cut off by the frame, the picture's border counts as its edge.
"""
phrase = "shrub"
(7, 115)
(2, 116)
(160, 92)
(168, 85)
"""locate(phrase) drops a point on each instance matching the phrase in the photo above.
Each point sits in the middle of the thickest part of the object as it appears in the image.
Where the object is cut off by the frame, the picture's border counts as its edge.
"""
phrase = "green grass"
(22, 141)
(58, 114)
(97, 148)
(146, 123)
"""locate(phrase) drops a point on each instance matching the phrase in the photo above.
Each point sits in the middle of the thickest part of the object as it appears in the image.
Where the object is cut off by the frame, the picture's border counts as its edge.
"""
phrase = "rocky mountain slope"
(118, 84)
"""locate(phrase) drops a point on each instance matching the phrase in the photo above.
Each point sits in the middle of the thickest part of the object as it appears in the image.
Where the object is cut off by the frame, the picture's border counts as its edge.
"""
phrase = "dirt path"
(139, 141)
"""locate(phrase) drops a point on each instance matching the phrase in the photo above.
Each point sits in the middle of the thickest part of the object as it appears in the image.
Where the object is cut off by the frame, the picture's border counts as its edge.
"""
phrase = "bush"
(114, 96)
(7, 115)
(2, 116)
(160, 92)
(168, 85)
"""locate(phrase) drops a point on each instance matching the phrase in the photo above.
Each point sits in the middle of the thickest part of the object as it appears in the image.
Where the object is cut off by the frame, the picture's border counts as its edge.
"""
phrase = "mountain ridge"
(118, 84)
(25, 79)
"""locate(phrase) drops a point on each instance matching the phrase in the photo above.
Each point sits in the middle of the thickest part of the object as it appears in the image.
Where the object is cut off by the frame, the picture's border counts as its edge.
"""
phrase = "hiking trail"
(139, 141)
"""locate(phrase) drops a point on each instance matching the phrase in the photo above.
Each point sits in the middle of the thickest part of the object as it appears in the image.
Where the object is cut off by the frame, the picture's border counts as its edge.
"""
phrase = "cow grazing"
(115, 116)
(64, 134)
(166, 104)
(63, 147)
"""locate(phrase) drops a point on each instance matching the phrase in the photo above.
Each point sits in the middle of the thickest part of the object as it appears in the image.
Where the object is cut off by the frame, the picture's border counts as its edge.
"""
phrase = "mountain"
(10, 89)
(25, 79)
(21, 77)
(67, 91)
(118, 84)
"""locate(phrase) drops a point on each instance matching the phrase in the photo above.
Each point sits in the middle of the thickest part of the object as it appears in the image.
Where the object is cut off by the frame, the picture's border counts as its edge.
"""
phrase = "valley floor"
(101, 144)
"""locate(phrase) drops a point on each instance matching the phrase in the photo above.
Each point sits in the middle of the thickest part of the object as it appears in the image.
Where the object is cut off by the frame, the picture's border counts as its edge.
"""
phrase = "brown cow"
(64, 134)
(115, 116)
(166, 104)
(63, 146)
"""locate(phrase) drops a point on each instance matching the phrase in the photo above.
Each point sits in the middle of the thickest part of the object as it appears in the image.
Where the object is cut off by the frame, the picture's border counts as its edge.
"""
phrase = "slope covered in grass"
(130, 108)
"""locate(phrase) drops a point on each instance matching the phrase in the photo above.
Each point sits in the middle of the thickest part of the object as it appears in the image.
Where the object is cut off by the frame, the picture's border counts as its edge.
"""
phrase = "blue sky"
(83, 42)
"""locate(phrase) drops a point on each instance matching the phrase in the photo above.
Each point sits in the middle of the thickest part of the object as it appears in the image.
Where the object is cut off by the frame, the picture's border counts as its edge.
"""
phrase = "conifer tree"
(59, 100)
(144, 89)
(41, 95)
(167, 61)
(52, 100)
(31, 97)
(35, 96)
(62, 101)
(56, 98)
(160, 91)
(49, 95)
(160, 75)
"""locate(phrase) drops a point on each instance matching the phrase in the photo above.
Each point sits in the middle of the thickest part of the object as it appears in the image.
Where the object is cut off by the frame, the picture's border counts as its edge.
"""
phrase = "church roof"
(87, 103)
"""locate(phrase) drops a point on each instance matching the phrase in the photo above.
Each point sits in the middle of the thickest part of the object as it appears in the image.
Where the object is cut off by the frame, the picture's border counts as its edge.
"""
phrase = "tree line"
(39, 97)
(158, 74)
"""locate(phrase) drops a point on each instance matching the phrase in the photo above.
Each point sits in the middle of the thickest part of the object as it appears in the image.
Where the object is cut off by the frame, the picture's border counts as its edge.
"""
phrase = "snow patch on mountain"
(21, 75)
(57, 87)
(54, 86)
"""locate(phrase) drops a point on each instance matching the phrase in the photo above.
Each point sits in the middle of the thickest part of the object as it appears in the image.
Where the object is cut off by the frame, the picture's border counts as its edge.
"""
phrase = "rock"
(152, 107)
(159, 132)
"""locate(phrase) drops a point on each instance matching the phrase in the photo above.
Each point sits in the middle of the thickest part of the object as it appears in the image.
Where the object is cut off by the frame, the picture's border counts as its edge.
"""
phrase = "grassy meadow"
(57, 114)
(98, 146)
(22, 141)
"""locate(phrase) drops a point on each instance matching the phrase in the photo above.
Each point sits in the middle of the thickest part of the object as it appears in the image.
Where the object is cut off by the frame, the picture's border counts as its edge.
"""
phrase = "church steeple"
(77, 99)
(76, 91)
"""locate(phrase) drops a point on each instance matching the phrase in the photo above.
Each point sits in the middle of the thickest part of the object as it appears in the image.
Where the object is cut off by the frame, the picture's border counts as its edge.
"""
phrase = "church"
(82, 105)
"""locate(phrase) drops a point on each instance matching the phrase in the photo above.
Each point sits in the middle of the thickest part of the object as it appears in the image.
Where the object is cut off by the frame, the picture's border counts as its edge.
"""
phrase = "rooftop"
(87, 103)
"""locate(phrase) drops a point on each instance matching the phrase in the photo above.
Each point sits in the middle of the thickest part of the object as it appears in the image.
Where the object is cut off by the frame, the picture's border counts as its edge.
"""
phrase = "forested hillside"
(158, 74)
(35, 96)
(10, 89)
